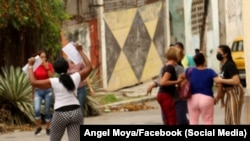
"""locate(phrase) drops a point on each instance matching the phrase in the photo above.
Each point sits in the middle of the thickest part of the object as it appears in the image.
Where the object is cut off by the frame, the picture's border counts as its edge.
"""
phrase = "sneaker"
(47, 131)
(38, 131)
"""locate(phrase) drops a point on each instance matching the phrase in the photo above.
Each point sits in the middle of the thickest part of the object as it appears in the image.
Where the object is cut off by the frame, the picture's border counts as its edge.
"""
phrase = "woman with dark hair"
(230, 86)
(44, 71)
(186, 60)
(81, 90)
(201, 103)
(67, 111)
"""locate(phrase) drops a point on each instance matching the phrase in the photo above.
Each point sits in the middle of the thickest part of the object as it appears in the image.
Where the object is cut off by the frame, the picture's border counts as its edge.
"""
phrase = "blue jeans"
(81, 95)
(45, 95)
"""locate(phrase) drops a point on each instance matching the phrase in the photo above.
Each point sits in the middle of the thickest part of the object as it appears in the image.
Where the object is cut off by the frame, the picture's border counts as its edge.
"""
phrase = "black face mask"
(219, 56)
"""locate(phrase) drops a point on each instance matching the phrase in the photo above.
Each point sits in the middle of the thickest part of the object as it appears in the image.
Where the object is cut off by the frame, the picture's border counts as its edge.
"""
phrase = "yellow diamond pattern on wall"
(122, 74)
(139, 36)
(137, 45)
(153, 64)
(120, 23)
(158, 38)
(150, 16)
(113, 51)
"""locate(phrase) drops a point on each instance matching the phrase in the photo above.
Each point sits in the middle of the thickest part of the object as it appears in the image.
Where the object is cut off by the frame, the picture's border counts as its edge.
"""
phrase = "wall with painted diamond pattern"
(134, 45)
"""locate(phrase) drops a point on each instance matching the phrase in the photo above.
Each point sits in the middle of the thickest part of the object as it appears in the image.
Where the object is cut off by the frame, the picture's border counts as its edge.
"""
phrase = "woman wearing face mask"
(229, 86)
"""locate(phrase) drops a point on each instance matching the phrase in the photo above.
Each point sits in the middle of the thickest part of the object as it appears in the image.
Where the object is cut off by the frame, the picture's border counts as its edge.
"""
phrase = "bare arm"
(50, 74)
(151, 86)
(220, 95)
(49, 69)
(88, 67)
(235, 80)
(165, 80)
(42, 84)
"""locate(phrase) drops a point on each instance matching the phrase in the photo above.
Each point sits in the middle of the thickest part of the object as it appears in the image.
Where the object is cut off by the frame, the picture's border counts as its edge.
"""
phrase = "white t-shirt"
(62, 96)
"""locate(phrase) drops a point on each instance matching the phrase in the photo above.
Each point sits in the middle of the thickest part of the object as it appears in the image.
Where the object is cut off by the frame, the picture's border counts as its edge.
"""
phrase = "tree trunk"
(16, 50)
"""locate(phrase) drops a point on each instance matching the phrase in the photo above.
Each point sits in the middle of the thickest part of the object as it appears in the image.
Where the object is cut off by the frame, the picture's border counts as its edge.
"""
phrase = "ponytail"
(67, 82)
(61, 67)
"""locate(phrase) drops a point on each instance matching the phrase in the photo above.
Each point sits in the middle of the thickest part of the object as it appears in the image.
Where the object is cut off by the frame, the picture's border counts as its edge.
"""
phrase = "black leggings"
(70, 120)
(181, 112)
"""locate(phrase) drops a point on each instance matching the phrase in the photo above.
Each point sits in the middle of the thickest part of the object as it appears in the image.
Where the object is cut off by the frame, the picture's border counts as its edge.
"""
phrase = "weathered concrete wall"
(83, 7)
(246, 34)
(77, 33)
(211, 36)
(232, 16)
(182, 29)
(176, 10)
(86, 35)
(134, 40)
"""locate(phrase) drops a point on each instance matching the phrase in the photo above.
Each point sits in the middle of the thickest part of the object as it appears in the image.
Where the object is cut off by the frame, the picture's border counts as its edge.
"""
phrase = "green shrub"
(16, 103)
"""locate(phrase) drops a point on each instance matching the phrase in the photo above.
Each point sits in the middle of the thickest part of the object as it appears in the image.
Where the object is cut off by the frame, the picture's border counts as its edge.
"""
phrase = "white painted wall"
(246, 35)
(71, 7)
(233, 20)
(83, 36)
(212, 36)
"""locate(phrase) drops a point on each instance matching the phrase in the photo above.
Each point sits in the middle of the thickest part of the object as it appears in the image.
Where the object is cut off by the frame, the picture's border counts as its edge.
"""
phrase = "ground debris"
(127, 107)
(12, 128)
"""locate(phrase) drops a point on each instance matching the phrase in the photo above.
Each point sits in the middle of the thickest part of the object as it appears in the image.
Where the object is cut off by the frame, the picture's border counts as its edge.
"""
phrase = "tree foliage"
(27, 26)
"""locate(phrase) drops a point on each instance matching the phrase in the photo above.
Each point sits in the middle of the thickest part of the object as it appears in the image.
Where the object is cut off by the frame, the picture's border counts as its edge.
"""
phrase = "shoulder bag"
(185, 91)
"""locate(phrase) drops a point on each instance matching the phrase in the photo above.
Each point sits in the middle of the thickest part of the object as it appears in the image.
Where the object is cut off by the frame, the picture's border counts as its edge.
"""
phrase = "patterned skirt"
(233, 105)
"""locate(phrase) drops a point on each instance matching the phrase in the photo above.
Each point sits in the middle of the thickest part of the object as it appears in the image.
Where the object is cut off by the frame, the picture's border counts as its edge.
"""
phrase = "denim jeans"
(81, 95)
(47, 96)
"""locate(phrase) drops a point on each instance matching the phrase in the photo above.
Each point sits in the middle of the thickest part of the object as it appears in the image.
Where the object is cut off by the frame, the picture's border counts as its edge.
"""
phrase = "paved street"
(145, 117)
(150, 117)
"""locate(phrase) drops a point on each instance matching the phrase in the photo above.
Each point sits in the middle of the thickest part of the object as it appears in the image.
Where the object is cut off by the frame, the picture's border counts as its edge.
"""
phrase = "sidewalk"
(139, 91)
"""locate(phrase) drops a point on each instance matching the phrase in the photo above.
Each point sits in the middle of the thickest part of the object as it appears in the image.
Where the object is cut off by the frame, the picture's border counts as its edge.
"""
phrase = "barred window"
(197, 12)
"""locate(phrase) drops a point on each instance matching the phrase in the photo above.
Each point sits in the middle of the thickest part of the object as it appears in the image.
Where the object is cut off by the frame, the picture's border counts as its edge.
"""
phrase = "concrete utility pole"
(101, 32)
(167, 24)
(246, 43)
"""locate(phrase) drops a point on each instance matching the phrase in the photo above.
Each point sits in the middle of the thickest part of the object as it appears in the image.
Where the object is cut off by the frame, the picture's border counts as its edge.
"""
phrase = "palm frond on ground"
(16, 106)
(91, 107)
(95, 81)
(90, 104)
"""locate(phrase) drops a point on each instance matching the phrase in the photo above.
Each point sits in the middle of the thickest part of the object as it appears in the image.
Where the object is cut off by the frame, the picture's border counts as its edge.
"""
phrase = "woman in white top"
(67, 113)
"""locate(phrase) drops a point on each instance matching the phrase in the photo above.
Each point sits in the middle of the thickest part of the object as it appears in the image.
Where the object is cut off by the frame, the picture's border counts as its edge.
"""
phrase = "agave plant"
(15, 97)
(91, 105)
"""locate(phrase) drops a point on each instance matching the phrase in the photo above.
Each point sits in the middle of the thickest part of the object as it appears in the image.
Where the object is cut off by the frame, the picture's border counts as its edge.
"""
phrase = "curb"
(133, 101)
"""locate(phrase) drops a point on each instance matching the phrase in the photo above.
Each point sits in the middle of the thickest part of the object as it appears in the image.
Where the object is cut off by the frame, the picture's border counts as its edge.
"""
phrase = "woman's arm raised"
(42, 84)
(88, 67)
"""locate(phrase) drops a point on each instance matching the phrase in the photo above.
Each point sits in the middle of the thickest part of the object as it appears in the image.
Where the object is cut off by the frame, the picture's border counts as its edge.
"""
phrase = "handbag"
(185, 91)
